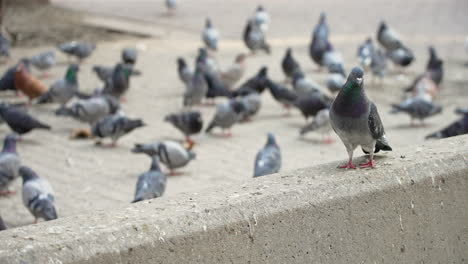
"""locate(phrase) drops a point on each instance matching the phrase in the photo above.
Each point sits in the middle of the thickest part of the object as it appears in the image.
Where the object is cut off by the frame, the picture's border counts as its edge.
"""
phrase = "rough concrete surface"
(410, 210)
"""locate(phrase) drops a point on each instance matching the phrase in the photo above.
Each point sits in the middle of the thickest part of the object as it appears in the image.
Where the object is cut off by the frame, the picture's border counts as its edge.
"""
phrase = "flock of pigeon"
(343, 108)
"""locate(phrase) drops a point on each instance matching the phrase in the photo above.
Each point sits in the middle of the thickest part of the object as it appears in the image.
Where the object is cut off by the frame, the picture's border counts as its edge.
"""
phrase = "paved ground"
(87, 178)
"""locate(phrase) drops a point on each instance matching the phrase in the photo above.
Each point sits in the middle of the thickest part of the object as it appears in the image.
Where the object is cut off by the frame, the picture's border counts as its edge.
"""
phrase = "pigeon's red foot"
(328, 141)
(7, 192)
(348, 165)
(369, 164)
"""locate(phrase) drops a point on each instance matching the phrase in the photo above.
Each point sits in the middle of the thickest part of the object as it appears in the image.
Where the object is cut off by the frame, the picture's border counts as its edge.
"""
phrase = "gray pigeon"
(311, 103)
(185, 73)
(251, 105)
(281, 94)
(4, 46)
(335, 81)
(417, 108)
(2, 224)
(91, 110)
(234, 73)
(302, 85)
(289, 65)
(227, 114)
(378, 64)
(81, 50)
(268, 159)
(365, 53)
(115, 126)
(196, 88)
(44, 61)
(319, 42)
(9, 164)
(321, 123)
(103, 72)
(388, 38)
(119, 83)
(38, 195)
(254, 37)
(459, 127)
(62, 90)
(261, 18)
(401, 56)
(210, 35)
(171, 153)
(356, 121)
(129, 56)
(333, 60)
(150, 184)
(189, 123)
(20, 121)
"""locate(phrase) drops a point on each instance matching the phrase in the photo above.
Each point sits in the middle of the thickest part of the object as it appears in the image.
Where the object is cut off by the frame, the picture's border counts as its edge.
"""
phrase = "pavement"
(87, 178)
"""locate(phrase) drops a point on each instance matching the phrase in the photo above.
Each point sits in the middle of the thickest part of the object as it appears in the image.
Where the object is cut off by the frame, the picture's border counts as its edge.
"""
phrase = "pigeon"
(365, 53)
(378, 64)
(268, 159)
(333, 60)
(172, 154)
(9, 163)
(129, 56)
(20, 121)
(7, 82)
(216, 87)
(210, 36)
(335, 81)
(261, 18)
(4, 46)
(251, 105)
(206, 61)
(103, 72)
(28, 84)
(424, 87)
(457, 128)
(356, 121)
(255, 84)
(417, 108)
(311, 103)
(115, 126)
(189, 123)
(81, 50)
(289, 64)
(44, 61)
(91, 110)
(227, 114)
(171, 6)
(435, 66)
(196, 88)
(2, 224)
(38, 195)
(401, 56)
(319, 42)
(254, 38)
(321, 123)
(234, 73)
(150, 184)
(303, 85)
(388, 38)
(119, 83)
(62, 90)
(185, 74)
(281, 94)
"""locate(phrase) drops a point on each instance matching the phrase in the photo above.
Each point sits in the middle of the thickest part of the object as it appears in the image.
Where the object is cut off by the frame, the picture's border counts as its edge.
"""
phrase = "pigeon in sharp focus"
(196, 88)
(365, 53)
(62, 90)
(268, 159)
(7, 82)
(44, 61)
(185, 74)
(81, 50)
(210, 36)
(38, 195)
(129, 56)
(261, 18)
(417, 108)
(289, 64)
(189, 123)
(9, 163)
(254, 38)
(2, 224)
(119, 83)
(459, 127)
(319, 42)
(356, 121)
(321, 123)
(255, 84)
(172, 154)
(388, 38)
(227, 114)
(281, 94)
(91, 110)
(20, 121)
(234, 73)
(4, 46)
(303, 85)
(150, 184)
(28, 84)
(115, 126)
(252, 103)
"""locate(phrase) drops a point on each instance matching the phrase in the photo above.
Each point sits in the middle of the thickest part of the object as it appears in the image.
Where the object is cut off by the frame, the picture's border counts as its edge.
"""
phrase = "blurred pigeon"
(115, 126)
(435, 66)
(2, 224)
(417, 108)
(268, 159)
(459, 127)
(251, 105)
(44, 61)
(321, 123)
(227, 114)
(103, 72)
(206, 61)
(4, 46)
(255, 84)
(254, 37)
(303, 85)
(62, 90)
(38, 195)
(9, 163)
(210, 35)
(20, 121)
(401, 56)
(81, 50)
(7, 82)
(129, 56)
(365, 53)
(118, 84)
(319, 42)
(261, 18)
(333, 60)
(28, 84)
(91, 110)
(378, 64)
(171, 6)
(281, 94)
(216, 87)
(424, 87)
(185, 74)
(335, 82)
(388, 38)
(189, 123)
(234, 73)
(150, 184)
(196, 88)
(356, 121)
(289, 64)
(171, 153)
(311, 103)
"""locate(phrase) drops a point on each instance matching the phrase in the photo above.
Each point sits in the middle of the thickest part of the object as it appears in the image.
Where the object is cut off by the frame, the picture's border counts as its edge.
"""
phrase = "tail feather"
(63, 111)
(395, 109)
(43, 126)
(133, 123)
(434, 135)
(44, 99)
(210, 127)
(137, 200)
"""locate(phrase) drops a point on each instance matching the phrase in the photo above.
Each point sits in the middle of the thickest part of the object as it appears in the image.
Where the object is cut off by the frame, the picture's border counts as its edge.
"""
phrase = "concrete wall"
(413, 208)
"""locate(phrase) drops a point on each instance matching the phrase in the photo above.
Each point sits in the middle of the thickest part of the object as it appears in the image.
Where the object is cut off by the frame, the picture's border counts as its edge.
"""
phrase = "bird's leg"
(350, 164)
(123, 99)
(328, 140)
(370, 163)
(228, 133)
(7, 192)
(35, 220)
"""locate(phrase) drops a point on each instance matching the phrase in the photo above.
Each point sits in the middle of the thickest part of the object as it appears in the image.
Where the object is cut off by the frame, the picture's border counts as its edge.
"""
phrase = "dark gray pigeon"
(216, 87)
(4, 46)
(20, 121)
(335, 81)
(356, 121)
(254, 37)
(150, 184)
(115, 126)
(388, 38)
(457, 128)
(319, 42)
(333, 60)
(119, 83)
(129, 56)
(311, 103)
(81, 50)
(289, 64)
(62, 90)
(2, 224)
(196, 88)
(44, 61)
(417, 108)
(91, 110)
(38, 195)
(303, 85)
(268, 159)
(256, 84)
(9, 164)
(401, 56)
(210, 35)
(189, 123)
(227, 114)
(184, 71)
(281, 94)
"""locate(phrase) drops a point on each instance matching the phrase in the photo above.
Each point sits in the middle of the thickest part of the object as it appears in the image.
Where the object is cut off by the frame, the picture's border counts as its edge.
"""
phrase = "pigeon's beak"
(359, 80)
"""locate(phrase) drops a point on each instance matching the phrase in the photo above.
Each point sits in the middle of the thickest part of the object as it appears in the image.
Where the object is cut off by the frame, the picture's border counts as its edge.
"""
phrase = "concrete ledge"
(408, 210)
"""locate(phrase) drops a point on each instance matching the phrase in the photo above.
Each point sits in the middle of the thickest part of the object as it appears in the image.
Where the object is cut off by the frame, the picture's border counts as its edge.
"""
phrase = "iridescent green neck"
(71, 75)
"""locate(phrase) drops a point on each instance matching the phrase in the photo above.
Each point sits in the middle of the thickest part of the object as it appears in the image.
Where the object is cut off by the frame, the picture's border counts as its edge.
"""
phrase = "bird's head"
(271, 139)
(356, 76)
(27, 173)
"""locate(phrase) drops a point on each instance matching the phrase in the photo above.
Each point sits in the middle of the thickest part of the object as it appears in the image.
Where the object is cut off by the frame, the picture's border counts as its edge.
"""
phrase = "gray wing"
(268, 161)
(375, 124)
